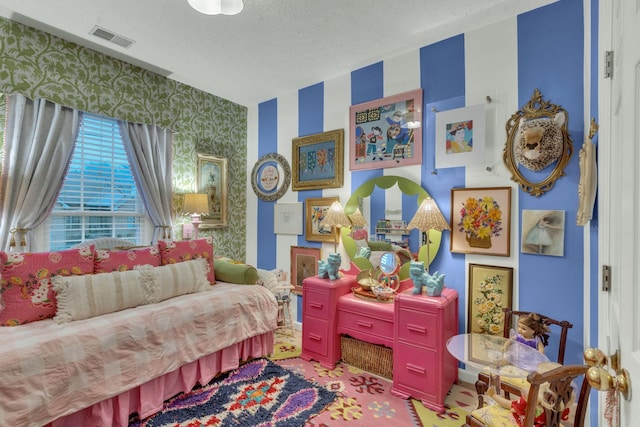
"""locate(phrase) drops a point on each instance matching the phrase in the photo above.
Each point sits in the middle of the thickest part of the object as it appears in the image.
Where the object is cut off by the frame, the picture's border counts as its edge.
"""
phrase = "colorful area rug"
(286, 346)
(364, 399)
(260, 393)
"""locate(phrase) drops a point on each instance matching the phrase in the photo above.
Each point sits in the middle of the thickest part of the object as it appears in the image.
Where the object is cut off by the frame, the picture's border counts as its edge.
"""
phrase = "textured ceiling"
(272, 47)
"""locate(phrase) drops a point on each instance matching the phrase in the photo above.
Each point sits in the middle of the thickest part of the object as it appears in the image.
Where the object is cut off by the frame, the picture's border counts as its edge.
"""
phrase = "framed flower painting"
(490, 290)
(481, 221)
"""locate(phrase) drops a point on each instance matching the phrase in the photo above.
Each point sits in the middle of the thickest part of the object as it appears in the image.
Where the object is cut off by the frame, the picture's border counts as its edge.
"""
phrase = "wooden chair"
(508, 385)
(553, 401)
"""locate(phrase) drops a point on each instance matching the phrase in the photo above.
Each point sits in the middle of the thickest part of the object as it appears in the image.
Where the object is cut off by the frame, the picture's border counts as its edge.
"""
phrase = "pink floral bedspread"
(49, 370)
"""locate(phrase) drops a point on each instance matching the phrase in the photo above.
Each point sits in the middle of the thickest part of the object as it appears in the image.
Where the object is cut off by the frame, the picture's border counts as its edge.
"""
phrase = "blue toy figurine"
(330, 268)
(420, 277)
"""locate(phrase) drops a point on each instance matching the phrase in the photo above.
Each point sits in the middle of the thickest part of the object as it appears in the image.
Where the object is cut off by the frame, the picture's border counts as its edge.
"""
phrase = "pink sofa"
(72, 359)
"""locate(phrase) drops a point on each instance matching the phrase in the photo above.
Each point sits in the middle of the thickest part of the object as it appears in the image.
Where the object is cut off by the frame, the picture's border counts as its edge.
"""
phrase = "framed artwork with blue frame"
(318, 161)
(386, 132)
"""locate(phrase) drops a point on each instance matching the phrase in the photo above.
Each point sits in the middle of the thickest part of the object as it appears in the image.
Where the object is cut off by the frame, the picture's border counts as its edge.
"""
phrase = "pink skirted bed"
(99, 370)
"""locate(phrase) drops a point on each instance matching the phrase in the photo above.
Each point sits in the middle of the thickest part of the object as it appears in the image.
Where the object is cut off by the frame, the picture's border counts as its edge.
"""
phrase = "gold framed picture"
(212, 181)
(490, 290)
(315, 209)
(318, 161)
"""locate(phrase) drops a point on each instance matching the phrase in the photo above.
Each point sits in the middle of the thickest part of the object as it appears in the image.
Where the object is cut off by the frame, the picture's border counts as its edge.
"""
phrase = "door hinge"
(606, 278)
(608, 64)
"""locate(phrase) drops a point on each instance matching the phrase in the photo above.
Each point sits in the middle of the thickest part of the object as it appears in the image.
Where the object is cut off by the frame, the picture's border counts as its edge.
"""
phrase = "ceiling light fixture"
(217, 7)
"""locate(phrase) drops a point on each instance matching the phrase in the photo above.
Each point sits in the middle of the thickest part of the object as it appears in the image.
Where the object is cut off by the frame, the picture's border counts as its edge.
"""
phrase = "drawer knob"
(315, 304)
(315, 337)
(364, 324)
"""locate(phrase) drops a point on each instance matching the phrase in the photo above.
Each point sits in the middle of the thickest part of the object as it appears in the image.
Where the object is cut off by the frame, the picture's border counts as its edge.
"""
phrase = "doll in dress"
(533, 332)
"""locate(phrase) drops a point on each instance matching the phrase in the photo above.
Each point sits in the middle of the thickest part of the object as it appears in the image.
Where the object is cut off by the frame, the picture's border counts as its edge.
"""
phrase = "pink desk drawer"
(315, 337)
(418, 327)
(316, 304)
(365, 324)
(415, 368)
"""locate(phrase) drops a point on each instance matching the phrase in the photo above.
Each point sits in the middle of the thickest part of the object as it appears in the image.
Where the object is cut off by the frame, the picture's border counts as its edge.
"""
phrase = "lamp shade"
(428, 217)
(335, 217)
(357, 218)
(217, 7)
(196, 203)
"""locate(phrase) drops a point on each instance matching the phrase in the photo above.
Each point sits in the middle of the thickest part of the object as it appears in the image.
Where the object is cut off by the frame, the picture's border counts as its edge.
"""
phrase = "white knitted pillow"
(181, 278)
(82, 297)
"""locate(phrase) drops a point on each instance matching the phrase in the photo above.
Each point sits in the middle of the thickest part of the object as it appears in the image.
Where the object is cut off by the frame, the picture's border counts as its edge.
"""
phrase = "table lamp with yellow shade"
(196, 204)
(428, 217)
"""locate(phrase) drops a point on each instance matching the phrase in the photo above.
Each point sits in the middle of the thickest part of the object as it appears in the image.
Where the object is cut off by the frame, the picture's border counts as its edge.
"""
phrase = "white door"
(618, 194)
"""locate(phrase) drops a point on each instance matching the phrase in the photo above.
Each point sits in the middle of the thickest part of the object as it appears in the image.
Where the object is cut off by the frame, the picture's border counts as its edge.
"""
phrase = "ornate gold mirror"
(537, 138)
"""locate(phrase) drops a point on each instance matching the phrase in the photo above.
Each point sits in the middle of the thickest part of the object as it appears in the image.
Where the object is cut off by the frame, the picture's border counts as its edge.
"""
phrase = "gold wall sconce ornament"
(537, 138)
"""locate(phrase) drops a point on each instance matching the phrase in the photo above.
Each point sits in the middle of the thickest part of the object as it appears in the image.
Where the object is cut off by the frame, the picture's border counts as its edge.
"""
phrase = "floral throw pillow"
(26, 291)
(185, 250)
(108, 261)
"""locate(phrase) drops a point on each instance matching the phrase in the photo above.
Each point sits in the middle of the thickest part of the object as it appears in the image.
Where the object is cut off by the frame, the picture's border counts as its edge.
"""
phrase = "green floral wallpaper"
(41, 65)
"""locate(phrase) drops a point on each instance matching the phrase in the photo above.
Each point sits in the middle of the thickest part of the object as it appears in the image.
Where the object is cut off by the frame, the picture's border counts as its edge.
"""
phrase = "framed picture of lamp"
(316, 209)
(386, 132)
(212, 180)
(304, 263)
(481, 220)
(318, 161)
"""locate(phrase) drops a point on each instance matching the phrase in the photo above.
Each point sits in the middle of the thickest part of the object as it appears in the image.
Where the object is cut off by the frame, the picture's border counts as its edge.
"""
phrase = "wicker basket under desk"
(373, 358)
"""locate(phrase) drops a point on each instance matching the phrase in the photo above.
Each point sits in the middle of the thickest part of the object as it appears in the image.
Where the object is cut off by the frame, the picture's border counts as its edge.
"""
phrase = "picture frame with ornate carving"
(315, 209)
(211, 179)
(318, 161)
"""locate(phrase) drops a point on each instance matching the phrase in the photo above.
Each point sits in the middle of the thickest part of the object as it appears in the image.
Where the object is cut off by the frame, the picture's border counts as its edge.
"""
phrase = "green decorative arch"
(407, 187)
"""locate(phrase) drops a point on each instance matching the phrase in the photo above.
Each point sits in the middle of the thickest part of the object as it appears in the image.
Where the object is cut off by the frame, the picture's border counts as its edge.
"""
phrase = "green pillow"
(241, 274)
(380, 246)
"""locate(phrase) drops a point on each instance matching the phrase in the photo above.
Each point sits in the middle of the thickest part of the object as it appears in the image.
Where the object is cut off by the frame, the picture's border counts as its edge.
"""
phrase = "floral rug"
(364, 399)
(259, 393)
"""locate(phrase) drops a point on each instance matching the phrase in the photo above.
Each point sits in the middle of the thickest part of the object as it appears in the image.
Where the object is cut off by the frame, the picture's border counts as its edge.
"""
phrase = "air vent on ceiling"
(111, 36)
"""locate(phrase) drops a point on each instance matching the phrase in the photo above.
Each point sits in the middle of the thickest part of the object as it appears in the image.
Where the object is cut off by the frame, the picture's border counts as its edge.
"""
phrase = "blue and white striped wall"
(542, 49)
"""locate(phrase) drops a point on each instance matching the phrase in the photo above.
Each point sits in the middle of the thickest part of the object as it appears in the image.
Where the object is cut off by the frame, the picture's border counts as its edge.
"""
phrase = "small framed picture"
(481, 220)
(460, 137)
(316, 208)
(304, 263)
(287, 218)
(543, 232)
(490, 290)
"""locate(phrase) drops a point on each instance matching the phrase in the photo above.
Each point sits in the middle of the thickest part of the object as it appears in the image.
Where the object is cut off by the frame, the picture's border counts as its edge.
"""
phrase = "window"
(99, 197)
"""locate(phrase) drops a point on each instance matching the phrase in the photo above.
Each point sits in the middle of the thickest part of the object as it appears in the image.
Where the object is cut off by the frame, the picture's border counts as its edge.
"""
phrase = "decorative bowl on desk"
(365, 280)
(383, 293)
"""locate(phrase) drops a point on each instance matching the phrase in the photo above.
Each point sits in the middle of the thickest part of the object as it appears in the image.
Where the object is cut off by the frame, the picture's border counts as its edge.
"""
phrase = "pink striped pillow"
(108, 261)
(185, 250)
(27, 294)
